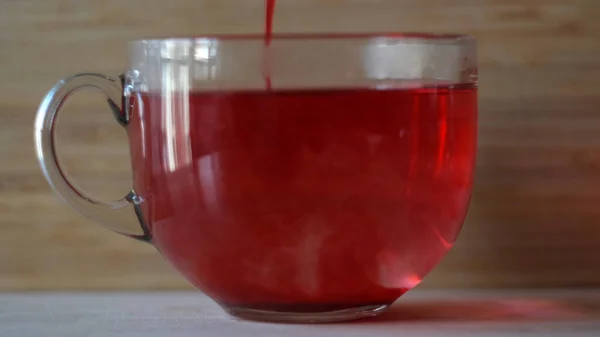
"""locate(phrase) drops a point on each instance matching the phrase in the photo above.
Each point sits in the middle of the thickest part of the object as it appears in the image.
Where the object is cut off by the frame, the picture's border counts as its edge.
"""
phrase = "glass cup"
(316, 180)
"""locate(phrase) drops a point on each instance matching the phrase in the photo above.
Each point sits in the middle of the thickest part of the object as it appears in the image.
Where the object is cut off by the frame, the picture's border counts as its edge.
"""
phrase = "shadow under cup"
(324, 197)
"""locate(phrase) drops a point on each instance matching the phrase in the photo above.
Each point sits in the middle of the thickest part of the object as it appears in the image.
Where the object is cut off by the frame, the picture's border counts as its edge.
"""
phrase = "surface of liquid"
(305, 200)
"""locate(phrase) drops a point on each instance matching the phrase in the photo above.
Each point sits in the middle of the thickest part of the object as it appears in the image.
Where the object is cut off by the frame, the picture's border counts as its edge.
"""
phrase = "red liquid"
(305, 200)
(269, 13)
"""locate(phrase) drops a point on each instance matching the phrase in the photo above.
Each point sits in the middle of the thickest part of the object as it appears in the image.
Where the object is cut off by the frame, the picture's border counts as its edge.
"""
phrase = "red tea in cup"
(321, 197)
(306, 200)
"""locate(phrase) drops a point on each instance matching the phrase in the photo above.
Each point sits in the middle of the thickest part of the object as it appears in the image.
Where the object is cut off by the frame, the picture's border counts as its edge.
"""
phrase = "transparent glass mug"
(317, 180)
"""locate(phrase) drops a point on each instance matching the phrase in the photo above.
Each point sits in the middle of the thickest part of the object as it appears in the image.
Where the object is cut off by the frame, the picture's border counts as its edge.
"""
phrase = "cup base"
(308, 317)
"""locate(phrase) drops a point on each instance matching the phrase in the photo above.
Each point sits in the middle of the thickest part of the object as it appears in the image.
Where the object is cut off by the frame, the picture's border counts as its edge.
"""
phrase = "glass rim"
(443, 38)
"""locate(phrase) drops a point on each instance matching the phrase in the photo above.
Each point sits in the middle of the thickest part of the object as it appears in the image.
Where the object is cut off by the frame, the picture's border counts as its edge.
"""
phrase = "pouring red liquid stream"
(269, 13)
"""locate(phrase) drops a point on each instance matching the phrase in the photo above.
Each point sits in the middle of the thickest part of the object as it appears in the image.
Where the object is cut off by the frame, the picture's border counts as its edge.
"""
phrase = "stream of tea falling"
(269, 12)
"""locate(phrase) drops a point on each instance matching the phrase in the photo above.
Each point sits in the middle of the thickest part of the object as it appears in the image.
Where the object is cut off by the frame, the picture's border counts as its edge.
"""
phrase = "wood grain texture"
(535, 215)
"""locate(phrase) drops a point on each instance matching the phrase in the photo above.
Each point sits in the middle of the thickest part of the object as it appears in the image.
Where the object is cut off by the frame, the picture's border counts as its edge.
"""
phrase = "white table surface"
(186, 314)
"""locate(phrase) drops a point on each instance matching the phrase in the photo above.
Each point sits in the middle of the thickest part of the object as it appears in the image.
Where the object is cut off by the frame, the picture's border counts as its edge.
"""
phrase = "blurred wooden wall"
(535, 216)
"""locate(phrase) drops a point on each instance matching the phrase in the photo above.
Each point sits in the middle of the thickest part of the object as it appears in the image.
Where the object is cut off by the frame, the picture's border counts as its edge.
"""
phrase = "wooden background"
(535, 216)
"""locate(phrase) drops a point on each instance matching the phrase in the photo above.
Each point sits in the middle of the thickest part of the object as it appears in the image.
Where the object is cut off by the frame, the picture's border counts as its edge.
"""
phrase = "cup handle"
(107, 213)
